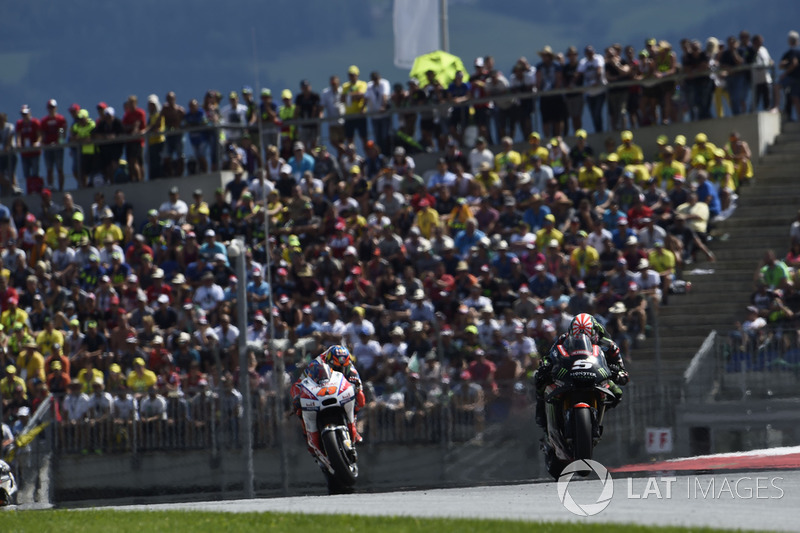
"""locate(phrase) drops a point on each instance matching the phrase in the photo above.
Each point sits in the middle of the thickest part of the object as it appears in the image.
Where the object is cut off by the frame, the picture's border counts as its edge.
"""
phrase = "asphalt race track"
(758, 500)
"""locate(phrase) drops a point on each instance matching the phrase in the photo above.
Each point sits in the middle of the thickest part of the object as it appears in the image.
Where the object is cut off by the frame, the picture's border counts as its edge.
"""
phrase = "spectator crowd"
(446, 284)
(771, 327)
(620, 89)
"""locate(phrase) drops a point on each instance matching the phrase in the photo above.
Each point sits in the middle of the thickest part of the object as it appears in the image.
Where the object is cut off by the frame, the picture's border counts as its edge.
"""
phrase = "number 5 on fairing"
(582, 364)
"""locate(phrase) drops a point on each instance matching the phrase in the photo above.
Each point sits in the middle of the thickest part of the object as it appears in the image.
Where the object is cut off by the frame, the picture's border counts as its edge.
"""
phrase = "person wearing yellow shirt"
(107, 227)
(87, 376)
(30, 364)
(508, 156)
(197, 208)
(457, 218)
(140, 379)
(738, 151)
(19, 338)
(13, 315)
(536, 148)
(589, 174)
(628, 152)
(583, 255)
(668, 168)
(662, 261)
(54, 232)
(353, 92)
(427, 218)
(702, 147)
(549, 232)
(48, 337)
(722, 173)
(641, 175)
(487, 177)
(11, 382)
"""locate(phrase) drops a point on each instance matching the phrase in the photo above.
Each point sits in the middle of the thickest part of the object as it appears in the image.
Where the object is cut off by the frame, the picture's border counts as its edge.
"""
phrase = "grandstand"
(371, 246)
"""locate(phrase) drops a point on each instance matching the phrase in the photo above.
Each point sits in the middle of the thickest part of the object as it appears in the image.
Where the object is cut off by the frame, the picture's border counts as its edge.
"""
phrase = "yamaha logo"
(585, 509)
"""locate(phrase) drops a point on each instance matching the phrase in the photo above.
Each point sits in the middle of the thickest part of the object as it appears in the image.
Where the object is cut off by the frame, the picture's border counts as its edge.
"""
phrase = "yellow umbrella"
(443, 64)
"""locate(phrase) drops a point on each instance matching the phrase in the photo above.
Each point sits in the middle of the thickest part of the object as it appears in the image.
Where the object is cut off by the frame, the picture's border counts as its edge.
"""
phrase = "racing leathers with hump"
(337, 358)
(582, 324)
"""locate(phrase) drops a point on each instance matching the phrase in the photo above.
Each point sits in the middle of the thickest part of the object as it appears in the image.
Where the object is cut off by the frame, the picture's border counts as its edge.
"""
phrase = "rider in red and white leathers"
(337, 358)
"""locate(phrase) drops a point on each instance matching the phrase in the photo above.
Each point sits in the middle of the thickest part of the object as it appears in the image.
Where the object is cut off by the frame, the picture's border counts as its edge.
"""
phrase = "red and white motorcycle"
(8, 485)
(329, 407)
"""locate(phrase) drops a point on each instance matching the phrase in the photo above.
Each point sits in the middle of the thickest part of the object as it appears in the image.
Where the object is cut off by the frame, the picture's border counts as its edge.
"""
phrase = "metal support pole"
(659, 383)
(236, 251)
(443, 20)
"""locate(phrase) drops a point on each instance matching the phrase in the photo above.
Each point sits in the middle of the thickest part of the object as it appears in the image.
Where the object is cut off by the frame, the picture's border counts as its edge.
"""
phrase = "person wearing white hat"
(29, 135)
(54, 127)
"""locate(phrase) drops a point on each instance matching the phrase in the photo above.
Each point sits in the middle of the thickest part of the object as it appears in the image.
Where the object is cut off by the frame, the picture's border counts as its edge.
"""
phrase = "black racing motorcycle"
(576, 402)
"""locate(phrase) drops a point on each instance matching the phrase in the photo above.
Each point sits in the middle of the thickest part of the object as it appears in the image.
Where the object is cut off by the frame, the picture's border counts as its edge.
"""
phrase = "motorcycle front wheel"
(345, 473)
(583, 444)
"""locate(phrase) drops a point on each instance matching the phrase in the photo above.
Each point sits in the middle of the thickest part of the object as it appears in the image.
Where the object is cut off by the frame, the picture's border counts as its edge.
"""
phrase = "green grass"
(62, 521)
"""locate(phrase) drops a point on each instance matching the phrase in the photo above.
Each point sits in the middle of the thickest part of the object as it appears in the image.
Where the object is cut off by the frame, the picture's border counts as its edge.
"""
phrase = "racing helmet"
(338, 356)
(318, 372)
(582, 324)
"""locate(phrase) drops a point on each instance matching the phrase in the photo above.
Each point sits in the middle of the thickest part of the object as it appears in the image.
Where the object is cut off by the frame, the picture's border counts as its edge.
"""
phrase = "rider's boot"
(314, 443)
(541, 415)
(354, 436)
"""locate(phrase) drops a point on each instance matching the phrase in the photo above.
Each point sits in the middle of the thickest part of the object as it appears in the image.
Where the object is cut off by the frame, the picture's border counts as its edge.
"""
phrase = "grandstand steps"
(787, 157)
(721, 274)
(790, 127)
(701, 295)
(750, 239)
(703, 318)
(782, 148)
(702, 307)
(738, 263)
(779, 197)
(740, 256)
(750, 223)
(766, 208)
(785, 139)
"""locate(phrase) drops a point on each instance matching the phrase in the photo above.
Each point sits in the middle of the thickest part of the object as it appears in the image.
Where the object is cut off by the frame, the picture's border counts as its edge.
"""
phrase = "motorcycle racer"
(581, 324)
(337, 358)
(318, 372)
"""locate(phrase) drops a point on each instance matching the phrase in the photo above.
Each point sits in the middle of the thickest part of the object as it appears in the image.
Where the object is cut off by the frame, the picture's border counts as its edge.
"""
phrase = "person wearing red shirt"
(638, 212)
(29, 134)
(134, 121)
(54, 126)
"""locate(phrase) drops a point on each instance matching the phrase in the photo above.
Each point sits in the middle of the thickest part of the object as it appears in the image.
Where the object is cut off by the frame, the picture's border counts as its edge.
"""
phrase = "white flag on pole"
(416, 30)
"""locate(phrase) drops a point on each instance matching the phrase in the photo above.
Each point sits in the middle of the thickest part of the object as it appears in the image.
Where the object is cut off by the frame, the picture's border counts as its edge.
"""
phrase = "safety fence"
(762, 363)
(210, 421)
(480, 434)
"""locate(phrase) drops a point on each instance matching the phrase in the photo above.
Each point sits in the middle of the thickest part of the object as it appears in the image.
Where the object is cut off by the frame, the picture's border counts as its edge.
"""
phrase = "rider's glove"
(618, 375)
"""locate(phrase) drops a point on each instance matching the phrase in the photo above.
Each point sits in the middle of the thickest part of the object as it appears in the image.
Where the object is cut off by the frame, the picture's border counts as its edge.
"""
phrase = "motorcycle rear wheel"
(344, 475)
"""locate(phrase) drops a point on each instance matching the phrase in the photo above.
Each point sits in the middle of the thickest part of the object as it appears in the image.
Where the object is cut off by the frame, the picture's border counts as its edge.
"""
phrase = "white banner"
(416, 30)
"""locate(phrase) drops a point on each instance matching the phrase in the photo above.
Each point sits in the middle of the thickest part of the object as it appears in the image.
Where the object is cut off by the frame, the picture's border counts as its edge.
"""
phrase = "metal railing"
(441, 110)
(761, 365)
(204, 421)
